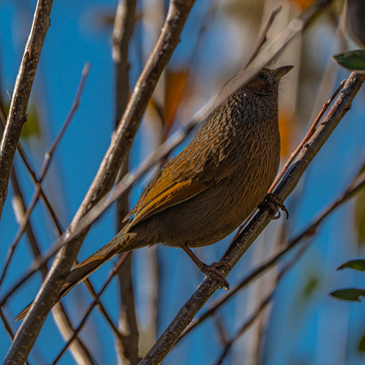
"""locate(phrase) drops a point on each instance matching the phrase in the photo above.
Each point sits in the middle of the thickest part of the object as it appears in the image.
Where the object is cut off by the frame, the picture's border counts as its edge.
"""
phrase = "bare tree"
(115, 179)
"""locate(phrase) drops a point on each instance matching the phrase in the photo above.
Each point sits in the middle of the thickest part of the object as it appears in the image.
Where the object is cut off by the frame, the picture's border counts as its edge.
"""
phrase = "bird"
(204, 193)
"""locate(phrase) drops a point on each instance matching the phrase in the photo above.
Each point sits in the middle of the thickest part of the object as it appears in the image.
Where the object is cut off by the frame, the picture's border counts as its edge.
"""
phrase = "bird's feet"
(274, 203)
(213, 271)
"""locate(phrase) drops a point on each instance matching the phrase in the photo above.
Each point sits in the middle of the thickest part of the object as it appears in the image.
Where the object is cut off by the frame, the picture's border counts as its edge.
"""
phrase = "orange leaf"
(175, 88)
(303, 3)
(287, 131)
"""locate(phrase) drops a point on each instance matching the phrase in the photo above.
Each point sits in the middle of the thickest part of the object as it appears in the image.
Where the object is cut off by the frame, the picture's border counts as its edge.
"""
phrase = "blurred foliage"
(243, 9)
(310, 286)
(354, 264)
(303, 3)
(352, 60)
(287, 125)
(176, 81)
(349, 294)
(31, 126)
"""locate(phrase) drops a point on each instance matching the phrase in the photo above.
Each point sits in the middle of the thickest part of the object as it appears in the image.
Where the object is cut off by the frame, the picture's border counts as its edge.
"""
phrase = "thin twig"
(46, 163)
(264, 303)
(263, 36)
(91, 216)
(93, 304)
(31, 238)
(23, 86)
(120, 145)
(309, 134)
(79, 350)
(127, 343)
(32, 174)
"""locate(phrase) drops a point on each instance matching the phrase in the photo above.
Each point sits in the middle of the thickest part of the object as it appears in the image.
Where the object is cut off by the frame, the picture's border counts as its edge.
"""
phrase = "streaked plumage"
(209, 188)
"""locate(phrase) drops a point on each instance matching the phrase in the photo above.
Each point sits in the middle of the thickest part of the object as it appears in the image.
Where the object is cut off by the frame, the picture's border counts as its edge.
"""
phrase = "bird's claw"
(274, 203)
(213, 271)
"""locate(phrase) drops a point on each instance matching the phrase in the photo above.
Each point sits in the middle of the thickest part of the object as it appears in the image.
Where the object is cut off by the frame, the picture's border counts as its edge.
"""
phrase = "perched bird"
(210, 187)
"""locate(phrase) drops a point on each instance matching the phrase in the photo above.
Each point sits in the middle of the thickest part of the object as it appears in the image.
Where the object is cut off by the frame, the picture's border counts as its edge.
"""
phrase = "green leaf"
(349, 294)
(354, 264)
(352, 60)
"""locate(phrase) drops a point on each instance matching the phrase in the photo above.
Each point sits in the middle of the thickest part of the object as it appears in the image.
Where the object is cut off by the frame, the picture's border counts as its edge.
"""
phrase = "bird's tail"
(81, 271)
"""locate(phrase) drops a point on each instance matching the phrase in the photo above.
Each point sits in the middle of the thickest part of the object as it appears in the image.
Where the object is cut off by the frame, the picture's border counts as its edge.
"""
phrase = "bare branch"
(91, 216)
(59, 314)
(121, 143)
(23, 86)
(351, 190)
(118, 265)
(7, 326)
(122, 32)
(79, 350)
(127, 344)
(46, 163)
(264, 303)
(263, 36)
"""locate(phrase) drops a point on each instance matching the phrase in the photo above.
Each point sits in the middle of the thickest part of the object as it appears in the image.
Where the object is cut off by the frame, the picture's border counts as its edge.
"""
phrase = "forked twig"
(309, 134)
(46, 163)
(22, 89)
(92, 305)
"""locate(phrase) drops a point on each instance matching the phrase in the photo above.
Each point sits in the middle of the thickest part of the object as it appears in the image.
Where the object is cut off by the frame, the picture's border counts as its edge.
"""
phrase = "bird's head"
(267, 80)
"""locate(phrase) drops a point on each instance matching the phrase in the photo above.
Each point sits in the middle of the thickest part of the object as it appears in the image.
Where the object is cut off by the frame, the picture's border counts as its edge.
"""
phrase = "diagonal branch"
(263, 36)
(127, 344)
(23, 86)
(258, 223)
(60, 316)
(264, 303)
(81, 225)
(355, 185)
(46, 163)
(114, 271)
(7, 327)
(79, 350)
(121, 143)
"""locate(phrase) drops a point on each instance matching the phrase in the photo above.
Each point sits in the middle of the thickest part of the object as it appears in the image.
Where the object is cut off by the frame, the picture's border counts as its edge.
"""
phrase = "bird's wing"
(181, 179)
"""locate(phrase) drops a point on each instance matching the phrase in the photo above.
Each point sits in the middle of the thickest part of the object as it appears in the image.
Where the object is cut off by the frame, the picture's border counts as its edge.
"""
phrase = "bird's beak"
(281, 71)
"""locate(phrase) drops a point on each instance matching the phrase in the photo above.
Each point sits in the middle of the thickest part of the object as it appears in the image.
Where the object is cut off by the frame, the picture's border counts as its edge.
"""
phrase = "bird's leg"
(274, 202)
(209, 270)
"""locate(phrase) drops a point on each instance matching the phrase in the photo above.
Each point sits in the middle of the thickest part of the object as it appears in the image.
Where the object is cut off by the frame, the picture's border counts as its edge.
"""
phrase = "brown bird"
(209, 188)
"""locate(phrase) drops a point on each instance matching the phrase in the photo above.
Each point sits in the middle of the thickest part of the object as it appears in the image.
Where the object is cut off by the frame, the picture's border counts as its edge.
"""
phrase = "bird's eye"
(262, 76)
